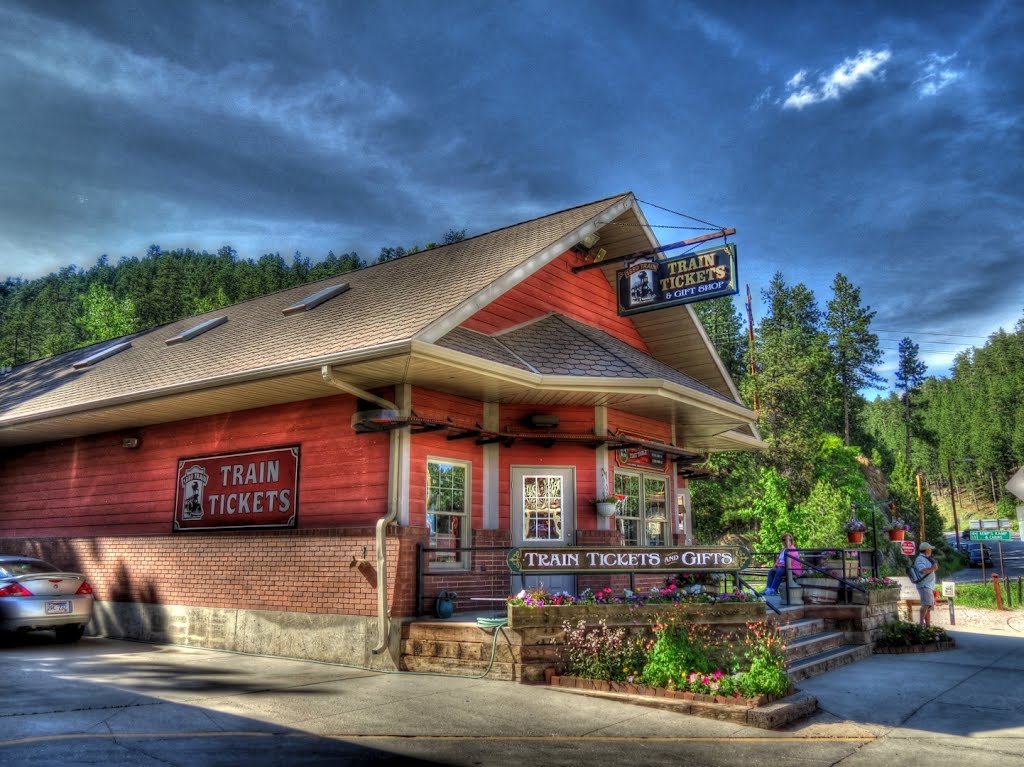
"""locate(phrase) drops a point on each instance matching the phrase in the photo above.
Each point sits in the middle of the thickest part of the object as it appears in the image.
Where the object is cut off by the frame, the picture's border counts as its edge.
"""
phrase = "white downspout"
(383, 614)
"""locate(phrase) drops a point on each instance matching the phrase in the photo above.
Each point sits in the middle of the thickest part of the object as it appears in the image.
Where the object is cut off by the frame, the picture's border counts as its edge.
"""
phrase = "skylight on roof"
(102, 354)
(316, 299)
(202, 327)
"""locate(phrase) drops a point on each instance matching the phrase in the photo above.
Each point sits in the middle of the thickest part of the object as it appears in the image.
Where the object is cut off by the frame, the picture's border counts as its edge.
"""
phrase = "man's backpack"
(914, 574)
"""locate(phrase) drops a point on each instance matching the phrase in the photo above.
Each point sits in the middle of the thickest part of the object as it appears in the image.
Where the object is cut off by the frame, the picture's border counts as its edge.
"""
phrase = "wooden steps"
(462, 648)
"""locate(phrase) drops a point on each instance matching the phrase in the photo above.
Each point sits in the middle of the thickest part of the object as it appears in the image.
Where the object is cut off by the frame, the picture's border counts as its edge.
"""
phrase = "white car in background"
(36, 596)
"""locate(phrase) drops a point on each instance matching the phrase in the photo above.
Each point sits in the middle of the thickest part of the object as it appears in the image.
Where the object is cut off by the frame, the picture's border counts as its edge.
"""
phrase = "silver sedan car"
(35, 595)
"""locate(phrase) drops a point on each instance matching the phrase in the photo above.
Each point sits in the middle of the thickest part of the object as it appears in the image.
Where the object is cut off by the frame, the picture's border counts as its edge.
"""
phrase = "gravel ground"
(978, 619)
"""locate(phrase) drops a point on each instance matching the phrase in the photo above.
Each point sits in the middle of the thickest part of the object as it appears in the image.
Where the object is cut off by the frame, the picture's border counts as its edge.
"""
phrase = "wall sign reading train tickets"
(648, 284)
(617, 559)
(259, 488)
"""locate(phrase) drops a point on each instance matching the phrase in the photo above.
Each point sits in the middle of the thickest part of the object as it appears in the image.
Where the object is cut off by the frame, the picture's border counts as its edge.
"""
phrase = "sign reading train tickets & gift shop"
(616, 559)
(259, 488)
(649, 284)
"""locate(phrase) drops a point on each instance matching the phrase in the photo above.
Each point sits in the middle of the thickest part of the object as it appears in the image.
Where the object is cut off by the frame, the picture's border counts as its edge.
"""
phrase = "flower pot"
(606, 509)
(896, 535)
(855, 536)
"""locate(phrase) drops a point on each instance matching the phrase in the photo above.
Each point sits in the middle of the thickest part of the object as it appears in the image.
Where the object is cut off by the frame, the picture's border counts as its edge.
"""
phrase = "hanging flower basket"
(606, 509)
(855, 536)
(896, 535)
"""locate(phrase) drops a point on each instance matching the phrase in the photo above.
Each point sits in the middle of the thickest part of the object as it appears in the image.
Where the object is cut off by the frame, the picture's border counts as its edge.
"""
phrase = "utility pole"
(920, 510)
(952, 502)
(750, 337)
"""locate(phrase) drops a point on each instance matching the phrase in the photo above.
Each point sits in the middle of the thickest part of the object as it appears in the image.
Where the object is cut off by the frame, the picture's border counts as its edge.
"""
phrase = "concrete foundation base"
(344, 639)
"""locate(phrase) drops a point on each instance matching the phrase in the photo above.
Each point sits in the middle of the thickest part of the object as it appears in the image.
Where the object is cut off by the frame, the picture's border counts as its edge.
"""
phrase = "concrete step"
(813, 644)
(826, 661)
(792, 630)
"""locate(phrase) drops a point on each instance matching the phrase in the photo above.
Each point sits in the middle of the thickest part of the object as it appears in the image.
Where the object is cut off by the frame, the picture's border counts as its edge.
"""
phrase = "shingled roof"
(368, 327)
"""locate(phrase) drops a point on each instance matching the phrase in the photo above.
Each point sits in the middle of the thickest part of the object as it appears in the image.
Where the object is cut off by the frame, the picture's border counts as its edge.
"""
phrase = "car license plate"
(58, 608)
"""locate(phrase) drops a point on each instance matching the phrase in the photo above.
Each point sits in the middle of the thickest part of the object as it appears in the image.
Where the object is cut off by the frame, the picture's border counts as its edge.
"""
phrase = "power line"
(925, 333)
(677, 213)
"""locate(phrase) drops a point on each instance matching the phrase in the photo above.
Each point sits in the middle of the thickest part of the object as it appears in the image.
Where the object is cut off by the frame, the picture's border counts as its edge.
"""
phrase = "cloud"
(937, 76)
(866, 65)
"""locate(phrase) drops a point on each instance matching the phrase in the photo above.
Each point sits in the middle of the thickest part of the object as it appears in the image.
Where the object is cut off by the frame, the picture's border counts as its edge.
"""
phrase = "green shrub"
(903, 634)
(678, 650)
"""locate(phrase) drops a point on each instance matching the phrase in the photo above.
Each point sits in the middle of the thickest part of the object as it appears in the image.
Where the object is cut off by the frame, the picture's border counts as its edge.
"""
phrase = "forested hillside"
(812, 362)
(77, 307)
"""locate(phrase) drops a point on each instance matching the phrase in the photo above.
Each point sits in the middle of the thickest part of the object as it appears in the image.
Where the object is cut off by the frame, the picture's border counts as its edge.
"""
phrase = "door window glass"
(542, 507)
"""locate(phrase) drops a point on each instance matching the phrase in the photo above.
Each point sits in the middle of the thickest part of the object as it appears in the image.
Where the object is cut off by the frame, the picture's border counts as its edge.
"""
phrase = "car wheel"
(70, 633)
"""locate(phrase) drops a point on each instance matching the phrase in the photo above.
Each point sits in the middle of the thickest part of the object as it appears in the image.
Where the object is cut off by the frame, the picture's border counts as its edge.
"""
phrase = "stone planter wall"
(876, 597)
(765, 712)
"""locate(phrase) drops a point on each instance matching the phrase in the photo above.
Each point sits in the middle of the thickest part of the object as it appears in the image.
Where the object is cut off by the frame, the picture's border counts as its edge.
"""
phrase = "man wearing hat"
(927, 566)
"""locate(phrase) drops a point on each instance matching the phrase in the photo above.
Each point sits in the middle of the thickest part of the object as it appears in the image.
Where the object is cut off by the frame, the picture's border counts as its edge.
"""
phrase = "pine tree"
(854, 347)
(909, 377)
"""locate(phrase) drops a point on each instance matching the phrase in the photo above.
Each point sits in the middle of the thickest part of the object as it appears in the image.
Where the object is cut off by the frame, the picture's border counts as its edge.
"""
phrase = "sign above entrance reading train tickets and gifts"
(259, 488)
(617, 559)
(647, 284)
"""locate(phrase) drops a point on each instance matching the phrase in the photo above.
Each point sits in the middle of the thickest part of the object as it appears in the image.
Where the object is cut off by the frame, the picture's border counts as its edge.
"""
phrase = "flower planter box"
(842, 568)
(875, 597)
(552, 616)
(625, 688)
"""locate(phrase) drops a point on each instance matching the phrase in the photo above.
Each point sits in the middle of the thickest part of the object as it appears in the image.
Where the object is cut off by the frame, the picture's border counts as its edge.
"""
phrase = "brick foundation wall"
(302, 571)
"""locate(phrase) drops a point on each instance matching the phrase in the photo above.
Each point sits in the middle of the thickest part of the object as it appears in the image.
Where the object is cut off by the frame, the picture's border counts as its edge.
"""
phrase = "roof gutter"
(383, 614)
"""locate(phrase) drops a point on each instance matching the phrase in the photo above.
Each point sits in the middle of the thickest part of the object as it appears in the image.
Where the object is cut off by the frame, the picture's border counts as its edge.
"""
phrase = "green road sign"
(990, 535)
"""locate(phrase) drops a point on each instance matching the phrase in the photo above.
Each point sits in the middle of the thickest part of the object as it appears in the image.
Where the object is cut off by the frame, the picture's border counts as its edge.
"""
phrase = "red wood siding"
(586, 297)
(632, 424)
(92, 486)
(435, 444)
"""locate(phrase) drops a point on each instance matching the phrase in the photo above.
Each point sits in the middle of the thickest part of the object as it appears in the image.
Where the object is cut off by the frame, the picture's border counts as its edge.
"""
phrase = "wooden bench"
(915, 604)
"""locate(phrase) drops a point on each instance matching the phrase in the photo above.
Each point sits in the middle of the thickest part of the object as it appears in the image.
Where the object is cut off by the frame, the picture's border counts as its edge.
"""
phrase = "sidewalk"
(975, 690)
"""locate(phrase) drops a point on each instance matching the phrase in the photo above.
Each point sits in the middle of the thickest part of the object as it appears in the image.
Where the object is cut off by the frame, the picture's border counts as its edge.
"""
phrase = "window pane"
(446, 510)
(542, 508)
(656, 514)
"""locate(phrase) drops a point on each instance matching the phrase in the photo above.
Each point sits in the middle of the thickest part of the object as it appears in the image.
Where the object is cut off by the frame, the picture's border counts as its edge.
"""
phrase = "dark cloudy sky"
(882, 140)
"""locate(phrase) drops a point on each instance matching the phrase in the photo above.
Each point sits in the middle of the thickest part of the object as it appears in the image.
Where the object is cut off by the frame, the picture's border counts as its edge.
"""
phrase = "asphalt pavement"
(111, 702)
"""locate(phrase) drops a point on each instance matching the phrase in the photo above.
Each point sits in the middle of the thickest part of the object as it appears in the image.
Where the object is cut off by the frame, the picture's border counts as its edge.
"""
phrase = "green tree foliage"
(726, 329)
(103, 316)
(72, 308)
(909, 377)
(796, 381)
(854, 347)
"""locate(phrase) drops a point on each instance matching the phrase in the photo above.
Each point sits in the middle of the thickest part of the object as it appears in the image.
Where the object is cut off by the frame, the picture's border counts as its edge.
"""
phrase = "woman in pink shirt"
(778, 572)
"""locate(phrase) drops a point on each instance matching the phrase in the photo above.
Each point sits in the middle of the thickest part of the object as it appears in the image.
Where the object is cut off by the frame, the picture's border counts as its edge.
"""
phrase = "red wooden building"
(258, 478)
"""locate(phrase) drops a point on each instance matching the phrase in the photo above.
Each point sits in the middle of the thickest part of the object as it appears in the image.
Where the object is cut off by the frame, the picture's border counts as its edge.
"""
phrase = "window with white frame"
(448, 511)
(642, 515)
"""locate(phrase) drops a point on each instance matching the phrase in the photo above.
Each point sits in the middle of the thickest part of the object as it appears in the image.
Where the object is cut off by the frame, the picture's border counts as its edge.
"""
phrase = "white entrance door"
(543, 502)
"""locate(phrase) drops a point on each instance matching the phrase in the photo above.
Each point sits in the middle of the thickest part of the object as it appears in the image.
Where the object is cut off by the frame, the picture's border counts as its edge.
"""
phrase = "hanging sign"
(259, 488)
(643, 455)
(908, 547)
(649, 284)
